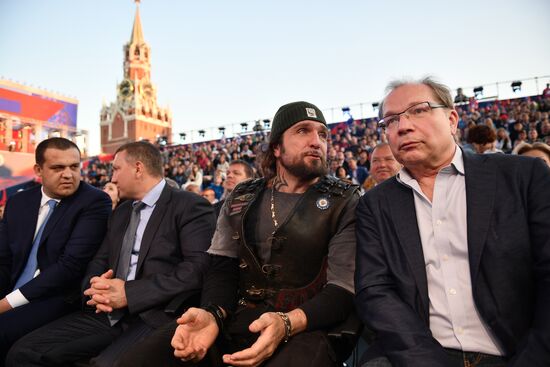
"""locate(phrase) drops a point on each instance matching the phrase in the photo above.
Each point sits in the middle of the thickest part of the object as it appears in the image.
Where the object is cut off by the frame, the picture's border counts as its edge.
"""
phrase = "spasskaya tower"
(135, 115)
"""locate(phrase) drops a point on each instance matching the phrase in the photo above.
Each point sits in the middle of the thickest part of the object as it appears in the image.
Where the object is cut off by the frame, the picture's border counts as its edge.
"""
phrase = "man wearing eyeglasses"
(453, 254)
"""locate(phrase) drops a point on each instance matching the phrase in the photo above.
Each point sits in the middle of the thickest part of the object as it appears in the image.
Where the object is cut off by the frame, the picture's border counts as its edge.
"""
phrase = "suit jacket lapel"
(153, 225)
(57, 214)
(34, 206)
(25, 239)
(401, 204)
(480, 181)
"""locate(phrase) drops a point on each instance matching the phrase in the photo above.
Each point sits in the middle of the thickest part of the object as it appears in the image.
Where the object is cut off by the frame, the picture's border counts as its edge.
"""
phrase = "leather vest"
(299, 247)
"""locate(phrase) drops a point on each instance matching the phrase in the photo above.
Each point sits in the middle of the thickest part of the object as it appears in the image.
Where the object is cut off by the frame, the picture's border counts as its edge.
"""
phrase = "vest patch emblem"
(323, 203)
(245, 197)
(236, 208)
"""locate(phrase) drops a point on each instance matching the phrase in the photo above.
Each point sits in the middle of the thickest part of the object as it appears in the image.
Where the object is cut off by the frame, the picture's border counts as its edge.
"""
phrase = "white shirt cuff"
(16, 299)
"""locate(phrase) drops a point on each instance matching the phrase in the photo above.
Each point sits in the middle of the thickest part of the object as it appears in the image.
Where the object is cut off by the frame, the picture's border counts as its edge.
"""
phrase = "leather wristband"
(288, 325)
(217, 312)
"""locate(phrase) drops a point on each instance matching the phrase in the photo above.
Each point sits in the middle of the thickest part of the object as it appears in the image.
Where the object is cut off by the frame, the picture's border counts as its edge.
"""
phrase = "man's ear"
(139, 167)
(37, 170)
(277, 150)
(453, 121)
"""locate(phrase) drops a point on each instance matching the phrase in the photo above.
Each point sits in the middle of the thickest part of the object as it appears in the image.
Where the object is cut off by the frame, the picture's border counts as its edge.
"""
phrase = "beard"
(299, 167)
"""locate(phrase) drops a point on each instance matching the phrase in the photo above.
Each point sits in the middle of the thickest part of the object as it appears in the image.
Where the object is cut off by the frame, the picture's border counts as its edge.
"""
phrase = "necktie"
(32, 261)
(125, 254)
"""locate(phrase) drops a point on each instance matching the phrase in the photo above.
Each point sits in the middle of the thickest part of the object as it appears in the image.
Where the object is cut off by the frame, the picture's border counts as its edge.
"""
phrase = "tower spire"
(137, 33)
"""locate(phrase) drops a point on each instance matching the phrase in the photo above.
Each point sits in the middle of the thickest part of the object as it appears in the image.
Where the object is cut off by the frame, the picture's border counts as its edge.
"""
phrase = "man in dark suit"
(154, 250)
(47, 237)
(358, 174)
(453, 253)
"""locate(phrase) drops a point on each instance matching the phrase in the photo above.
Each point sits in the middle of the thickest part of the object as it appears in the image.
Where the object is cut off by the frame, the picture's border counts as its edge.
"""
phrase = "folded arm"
(86, 234)
(195, 227)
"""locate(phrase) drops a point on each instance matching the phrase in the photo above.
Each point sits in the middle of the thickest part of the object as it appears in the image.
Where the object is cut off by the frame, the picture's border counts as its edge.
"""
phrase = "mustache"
(315, 153)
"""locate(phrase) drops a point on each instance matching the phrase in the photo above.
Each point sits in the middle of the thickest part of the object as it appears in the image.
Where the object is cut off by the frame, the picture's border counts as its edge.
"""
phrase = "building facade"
(29, 115)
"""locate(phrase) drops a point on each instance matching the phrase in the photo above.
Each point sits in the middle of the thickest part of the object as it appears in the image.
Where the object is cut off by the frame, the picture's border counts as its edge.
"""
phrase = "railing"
(497, 90)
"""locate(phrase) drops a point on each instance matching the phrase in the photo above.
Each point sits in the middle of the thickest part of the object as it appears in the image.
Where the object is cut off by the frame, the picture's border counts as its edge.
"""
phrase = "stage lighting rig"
(516, 86)
(478, 92)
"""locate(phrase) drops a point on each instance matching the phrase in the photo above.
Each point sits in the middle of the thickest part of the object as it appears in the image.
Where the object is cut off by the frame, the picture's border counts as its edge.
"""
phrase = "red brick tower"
(135, 115)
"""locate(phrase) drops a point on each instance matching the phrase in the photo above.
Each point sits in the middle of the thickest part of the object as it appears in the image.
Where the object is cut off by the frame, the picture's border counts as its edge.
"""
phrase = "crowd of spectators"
(484, 127)
(514, 126)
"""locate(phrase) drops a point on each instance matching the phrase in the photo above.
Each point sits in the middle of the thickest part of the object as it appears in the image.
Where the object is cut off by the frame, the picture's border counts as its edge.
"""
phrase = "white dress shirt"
(454, 319)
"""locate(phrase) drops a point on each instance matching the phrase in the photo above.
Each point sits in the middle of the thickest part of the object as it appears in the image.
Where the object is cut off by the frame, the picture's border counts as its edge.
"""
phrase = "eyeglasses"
(414, 112)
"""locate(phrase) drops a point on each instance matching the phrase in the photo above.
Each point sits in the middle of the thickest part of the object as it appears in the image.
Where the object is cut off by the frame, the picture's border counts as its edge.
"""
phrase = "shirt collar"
(457, 164)
(151, 198)
(46, 198)
(458, 161)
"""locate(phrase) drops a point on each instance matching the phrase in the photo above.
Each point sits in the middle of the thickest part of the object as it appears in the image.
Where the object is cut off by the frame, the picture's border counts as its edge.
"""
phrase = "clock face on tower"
(146, 89)
(126, 88)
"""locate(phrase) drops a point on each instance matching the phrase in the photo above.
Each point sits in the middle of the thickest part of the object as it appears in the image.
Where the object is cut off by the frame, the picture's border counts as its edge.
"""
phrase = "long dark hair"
(268, 161)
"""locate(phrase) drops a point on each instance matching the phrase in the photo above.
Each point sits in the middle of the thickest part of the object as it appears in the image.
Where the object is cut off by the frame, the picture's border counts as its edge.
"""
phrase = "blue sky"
(220, 62)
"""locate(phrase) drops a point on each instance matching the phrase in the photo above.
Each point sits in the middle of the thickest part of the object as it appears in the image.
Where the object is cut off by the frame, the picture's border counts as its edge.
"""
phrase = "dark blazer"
(508, 206)
(172, 258)
(70, 239)
(362, 174)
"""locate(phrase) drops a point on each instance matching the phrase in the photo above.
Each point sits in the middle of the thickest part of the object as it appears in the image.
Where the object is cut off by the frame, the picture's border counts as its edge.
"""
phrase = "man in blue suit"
(47, 237)
(357, 173)
(453, 252)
